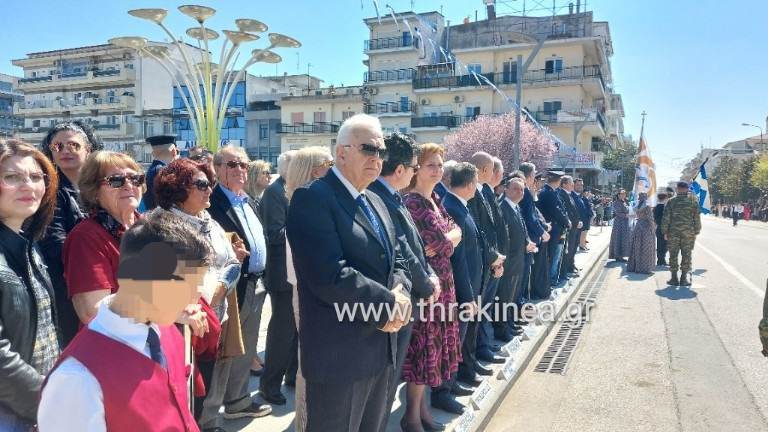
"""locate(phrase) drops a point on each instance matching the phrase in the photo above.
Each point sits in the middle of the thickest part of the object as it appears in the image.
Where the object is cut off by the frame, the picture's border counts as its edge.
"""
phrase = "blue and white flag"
(700, 187)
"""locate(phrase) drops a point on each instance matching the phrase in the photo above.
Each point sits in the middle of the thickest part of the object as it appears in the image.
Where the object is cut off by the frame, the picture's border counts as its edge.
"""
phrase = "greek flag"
(700, 187)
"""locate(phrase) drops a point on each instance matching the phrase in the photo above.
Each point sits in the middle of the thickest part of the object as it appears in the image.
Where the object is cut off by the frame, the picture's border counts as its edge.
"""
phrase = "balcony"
(79, 79)
(353, 92)
(404, 41)
(309, 128)
(385, 76)
(443, 121)
(579, 160)
(390, 108)
(568, 116)
(539, 77)
(79, 106)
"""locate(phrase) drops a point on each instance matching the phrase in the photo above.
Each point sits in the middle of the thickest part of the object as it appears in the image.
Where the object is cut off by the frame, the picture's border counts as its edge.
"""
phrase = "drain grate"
(556, 357)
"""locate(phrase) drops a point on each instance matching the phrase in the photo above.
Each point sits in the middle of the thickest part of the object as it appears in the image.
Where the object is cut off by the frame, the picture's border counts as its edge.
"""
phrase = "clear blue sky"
(698, 67)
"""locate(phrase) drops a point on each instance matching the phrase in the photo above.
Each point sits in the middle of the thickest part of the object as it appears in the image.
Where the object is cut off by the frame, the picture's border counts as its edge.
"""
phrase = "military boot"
(684, 279)
(674, 281)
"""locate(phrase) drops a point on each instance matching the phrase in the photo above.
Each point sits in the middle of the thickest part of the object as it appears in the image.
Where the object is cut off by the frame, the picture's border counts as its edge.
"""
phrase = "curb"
(488, 397)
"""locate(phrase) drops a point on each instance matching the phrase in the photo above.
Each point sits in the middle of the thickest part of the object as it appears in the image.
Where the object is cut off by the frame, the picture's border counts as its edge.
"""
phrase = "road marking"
(732, 270)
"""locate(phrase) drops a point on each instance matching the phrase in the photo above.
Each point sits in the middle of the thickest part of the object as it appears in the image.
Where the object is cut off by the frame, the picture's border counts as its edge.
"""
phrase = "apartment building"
(427, 77)
(123, 96)
(10, 97)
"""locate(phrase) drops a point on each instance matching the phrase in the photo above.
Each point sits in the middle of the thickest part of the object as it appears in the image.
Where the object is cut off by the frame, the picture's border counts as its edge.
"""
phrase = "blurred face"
(22, 186)
(515, 191)
(233, 172)
(579, 187)
(263, 180)
(69, 149)
(431, 172)
(199, 195)
(622, 194)
(166, 300)
(360, 160)
(118, 199)
(567, 186)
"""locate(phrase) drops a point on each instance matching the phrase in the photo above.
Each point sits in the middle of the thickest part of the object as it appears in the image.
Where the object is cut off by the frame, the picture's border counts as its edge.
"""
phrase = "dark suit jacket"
(467, 259)
(340, 262)
(482, 214)
(222, 212)
(149, 195)
(273, 210)
(570, 207)
(518, 237)
(409, 240)
(658, 215)
(502, 236)
(552, 209)
(532, 224)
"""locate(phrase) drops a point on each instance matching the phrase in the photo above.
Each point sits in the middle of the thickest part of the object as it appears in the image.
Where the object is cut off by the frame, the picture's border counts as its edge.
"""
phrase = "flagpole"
(642, 125)
(698, 171)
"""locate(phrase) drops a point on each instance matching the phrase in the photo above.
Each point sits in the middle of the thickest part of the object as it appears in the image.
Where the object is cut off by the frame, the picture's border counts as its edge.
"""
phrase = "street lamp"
(761, 131)
(210, 85)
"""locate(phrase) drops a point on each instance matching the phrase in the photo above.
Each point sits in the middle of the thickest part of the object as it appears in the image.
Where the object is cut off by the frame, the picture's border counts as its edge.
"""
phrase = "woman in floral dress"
(435, 348)
(642, 247)
(619, 247)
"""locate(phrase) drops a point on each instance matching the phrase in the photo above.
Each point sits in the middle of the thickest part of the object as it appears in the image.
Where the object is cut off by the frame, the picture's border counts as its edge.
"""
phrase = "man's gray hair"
(497, 165)
(528, 169)
(355, 124)
(481, 160)
(283, 161)
(463, 174)
(448, 167)
(566, 180)
(218, 158)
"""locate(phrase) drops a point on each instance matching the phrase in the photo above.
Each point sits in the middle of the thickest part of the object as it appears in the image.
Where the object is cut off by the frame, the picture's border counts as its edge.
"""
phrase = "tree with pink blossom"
(495, 134)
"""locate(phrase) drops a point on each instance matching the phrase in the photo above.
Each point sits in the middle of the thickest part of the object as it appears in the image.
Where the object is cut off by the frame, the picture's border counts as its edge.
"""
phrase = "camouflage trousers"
(680, 244)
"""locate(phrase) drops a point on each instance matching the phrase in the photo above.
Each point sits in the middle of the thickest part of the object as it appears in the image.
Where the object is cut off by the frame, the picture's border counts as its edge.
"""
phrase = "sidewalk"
(486, 397)
(742, 222)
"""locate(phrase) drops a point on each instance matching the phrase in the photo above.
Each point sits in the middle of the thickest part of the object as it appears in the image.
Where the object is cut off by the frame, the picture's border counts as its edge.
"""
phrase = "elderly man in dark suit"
(235, 212)
(282, 338)
(352, 284)
(518, 247)
(568, 267)
(468, 264)
(538, 233)
(484, 211)
(396, 174)
(553, 211)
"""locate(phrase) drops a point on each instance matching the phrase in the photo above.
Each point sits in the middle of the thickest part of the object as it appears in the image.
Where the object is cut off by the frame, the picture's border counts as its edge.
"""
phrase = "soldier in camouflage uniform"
(763, 326)
(681, 224)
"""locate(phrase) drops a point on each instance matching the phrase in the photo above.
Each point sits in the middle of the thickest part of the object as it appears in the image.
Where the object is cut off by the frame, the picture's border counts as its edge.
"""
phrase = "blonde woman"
(259, 175)
(306, 165)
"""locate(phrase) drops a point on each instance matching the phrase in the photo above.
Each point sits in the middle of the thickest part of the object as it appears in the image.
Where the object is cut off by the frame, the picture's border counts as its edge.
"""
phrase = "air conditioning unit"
(458, 99)
(424, 101)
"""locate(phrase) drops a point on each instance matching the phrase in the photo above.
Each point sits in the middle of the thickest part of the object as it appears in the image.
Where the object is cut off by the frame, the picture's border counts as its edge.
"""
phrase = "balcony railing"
(386, 43)
(106, 72)
(106, 126)
(309, 128)
(389, 75)
(390, 107)
(566, 116)
(510, 77)
(38, 129)
(35, 79)
(448, 121)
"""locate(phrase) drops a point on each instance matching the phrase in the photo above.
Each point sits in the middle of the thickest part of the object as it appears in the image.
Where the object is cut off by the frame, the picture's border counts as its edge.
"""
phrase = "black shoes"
(470, 380)
(273, 398)
(459, 390)
(446, 403)
(674, 281)
(432, 426)
(684, 280)
(484, 371)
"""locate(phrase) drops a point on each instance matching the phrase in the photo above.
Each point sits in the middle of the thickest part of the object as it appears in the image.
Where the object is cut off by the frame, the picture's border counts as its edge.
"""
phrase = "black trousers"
(348, 406)
(540, 284)
(282, 343)
(569, 253)
(661, 247)
(468, 349)
(403, 340)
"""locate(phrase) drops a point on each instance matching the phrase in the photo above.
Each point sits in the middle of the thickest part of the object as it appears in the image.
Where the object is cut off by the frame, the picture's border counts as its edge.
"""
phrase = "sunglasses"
(118, 180)
(72, 146)
(235, 164)
(371, 150)
(200, 157)
(201, 185)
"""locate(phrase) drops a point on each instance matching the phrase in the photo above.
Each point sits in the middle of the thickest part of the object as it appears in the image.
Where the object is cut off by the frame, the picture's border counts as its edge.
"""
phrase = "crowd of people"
(669, 227)
(108, 269)
(751, 210)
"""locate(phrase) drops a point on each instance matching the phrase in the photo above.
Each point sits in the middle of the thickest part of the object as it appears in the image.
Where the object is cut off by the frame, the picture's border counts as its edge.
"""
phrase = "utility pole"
(308, 78)
(521, 69)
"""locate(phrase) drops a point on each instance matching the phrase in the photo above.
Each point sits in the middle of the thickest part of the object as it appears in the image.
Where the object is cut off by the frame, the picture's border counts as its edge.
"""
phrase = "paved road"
(657, 358)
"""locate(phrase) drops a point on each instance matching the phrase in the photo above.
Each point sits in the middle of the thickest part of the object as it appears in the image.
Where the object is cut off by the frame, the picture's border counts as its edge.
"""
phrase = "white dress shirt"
(72, 400)
(352, 191)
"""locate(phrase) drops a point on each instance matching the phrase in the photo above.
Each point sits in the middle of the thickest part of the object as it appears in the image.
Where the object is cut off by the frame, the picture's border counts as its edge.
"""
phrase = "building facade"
(122, 96)
(428, 78)
(10, 99)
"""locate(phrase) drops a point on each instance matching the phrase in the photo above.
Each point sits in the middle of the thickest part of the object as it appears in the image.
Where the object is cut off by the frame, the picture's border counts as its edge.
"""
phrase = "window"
(35, 123)
(472, 111)
(554, 65)
(553, 106)
(509, 74)
(475, 67)
(263, 132)
(319, 116)
(346, 114)
(297, 117)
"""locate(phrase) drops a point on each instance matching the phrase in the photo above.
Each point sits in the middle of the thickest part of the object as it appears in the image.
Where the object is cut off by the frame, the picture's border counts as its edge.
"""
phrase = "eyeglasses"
(201, 184)
(200, 157)
(326, 164)
(235, 164)
(13, 179)
(118, 180)
(415, 167)
(371, 150)
(72, 146)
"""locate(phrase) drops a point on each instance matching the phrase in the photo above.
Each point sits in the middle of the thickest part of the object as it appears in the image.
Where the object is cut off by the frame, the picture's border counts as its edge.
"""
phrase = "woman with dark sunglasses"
(111, 185)
(67, 145)
(184, 188)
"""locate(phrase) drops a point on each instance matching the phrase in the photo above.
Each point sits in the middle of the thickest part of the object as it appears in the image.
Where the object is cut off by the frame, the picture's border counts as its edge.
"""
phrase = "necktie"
(363, 203)
(155, 351)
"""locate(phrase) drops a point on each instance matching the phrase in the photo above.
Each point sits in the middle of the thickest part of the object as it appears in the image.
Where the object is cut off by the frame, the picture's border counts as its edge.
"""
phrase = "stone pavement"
(485, 399)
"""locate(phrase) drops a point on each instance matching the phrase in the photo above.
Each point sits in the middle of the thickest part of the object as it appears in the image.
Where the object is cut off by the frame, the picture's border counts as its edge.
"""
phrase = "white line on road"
(732, 270)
